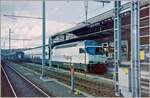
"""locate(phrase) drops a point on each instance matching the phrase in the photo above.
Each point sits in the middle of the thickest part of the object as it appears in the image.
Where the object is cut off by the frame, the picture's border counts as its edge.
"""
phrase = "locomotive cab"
(96, 54)
(85, 55)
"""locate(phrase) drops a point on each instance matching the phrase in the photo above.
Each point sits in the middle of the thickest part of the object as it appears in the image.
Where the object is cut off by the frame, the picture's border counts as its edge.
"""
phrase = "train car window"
(81, 50)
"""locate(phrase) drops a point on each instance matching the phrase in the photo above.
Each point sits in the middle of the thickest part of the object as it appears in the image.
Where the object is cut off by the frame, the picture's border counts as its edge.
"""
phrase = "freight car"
(14, 56)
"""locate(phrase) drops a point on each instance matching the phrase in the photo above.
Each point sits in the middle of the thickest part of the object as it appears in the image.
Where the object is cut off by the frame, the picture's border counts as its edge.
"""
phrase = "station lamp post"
(43, 39)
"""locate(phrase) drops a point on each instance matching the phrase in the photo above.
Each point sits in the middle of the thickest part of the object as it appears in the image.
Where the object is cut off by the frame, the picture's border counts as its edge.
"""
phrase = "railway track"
(6, 88)
(92, 87)
(21, 86)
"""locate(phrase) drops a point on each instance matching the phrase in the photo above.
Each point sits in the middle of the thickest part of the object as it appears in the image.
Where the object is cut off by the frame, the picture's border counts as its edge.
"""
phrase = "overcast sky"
(60, 15)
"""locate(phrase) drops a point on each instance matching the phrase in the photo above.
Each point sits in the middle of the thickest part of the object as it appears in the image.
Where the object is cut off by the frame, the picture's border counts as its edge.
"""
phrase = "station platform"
(50, 85)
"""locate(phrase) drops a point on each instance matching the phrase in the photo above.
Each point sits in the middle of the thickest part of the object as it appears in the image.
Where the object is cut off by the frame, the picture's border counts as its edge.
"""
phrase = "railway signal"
(43, 38)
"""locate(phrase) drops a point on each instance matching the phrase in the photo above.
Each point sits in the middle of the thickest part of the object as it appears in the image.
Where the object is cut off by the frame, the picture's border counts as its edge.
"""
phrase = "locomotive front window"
(95, 50)
(90, 50)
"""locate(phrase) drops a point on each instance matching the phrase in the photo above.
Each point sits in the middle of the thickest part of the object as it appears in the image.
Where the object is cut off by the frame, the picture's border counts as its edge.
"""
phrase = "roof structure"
(97, 20)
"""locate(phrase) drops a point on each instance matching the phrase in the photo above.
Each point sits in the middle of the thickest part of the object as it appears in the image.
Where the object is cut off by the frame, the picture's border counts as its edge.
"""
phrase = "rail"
(12, 88)
(26, 80)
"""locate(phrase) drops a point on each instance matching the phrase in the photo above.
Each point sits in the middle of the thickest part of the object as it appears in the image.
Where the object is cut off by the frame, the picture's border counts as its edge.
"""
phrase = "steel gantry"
(135, 61)
(117, 44)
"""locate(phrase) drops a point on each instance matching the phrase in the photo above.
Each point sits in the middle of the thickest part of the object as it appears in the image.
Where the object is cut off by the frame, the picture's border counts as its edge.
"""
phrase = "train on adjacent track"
(14, 56)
